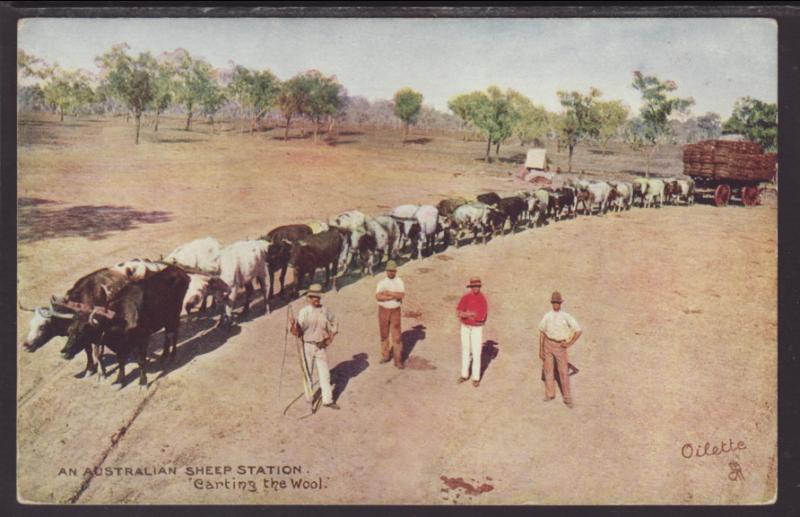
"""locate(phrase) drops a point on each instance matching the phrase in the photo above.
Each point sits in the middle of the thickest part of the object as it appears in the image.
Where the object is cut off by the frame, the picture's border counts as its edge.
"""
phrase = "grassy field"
(677, 305)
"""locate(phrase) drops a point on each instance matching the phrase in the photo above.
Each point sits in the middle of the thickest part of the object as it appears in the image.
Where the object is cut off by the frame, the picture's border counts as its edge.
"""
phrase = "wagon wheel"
(722, 194)
(750, 196)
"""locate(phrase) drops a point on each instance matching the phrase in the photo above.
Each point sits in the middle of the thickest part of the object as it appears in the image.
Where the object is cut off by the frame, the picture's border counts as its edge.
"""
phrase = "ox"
(640, 187)
(202, 286)
(374, 244)
(95, 289)
(139, 269)
(281, 240)
(472, 217)
(686, 190)
(562, 199)
(140, 309)
(201, 255)
(489, 198)
(352, 220)
(241, 264)
(597, 193)
(329, 250)
(513, 208)
(409, 227)
(655, 192)
(624, 196)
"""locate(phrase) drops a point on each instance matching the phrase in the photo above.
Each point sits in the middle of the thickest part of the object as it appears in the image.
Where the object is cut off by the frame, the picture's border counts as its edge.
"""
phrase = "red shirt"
(477, 304)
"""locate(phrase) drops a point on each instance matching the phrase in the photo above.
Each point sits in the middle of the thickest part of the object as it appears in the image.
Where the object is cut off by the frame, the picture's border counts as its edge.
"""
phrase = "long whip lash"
(285, 342)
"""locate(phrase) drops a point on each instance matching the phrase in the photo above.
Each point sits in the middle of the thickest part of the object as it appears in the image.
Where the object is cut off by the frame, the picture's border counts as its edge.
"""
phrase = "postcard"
(406, 261)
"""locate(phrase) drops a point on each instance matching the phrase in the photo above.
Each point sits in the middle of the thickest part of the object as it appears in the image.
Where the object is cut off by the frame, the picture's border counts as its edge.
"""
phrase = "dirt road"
(678, 307)
(679, 347)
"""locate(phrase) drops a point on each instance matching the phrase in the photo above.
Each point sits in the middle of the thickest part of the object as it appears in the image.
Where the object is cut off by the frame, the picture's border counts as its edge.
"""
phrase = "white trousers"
(318, 357)
(471, 346)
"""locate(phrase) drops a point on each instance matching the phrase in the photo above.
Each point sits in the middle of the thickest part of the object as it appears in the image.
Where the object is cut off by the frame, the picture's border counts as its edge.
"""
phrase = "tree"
(579, 120)
(407, 106)
(254, 91)
(492, 113)
(531, 119)
(29, 65)
(293, 98)
(164, 89)
(464, 106)
(67, 91)
(194, 81)
(658, 105)
(324, 98)
(611, 116)
(756, 120)
(130, 80)
(211, 99)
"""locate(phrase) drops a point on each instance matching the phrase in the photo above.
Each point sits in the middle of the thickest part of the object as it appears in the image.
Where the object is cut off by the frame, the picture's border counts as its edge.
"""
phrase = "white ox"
(200, 288)
(539, 203)
(376, 242)
(655, 191)
(624, 198)
(200, 255)
(686, 193)
(241, 264)
(597, 193)
(352, 220)
(404, 215)
(471, 217)
(139, 269)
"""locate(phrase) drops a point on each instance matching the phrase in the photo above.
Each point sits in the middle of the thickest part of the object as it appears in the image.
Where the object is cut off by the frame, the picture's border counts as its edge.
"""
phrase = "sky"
(714, 61)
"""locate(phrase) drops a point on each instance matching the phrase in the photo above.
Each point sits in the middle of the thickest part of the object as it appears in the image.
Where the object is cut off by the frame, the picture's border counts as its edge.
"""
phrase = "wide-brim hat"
(474, 282)
(556, 297)
(315, 290)
(391, 266)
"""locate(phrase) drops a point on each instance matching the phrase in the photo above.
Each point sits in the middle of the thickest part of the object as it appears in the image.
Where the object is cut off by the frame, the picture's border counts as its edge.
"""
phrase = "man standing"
(558, 331)
(317, 327)
(390, 293)
(472, 310)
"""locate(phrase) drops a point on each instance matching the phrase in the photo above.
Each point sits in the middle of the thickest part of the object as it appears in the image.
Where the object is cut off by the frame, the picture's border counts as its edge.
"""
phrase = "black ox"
(320, 250)
(279, 254)
(138, 311)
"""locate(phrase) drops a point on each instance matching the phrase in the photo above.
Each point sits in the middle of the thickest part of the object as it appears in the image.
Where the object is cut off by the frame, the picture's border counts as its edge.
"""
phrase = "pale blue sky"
(713, 60)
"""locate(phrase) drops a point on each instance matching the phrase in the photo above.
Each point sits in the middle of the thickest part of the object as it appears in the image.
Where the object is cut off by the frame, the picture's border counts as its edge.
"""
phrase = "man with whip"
(316, 326)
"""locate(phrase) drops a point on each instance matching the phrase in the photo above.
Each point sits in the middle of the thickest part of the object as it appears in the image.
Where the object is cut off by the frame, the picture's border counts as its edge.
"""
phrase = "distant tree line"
(146, 86)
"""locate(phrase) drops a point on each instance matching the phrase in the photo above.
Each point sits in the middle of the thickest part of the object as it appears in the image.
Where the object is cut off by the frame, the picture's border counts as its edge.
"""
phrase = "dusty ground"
(677, 304)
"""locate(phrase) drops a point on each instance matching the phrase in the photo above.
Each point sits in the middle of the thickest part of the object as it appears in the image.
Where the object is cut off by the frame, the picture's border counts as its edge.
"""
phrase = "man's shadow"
(489, 353)
(344, 371)
(410, 338)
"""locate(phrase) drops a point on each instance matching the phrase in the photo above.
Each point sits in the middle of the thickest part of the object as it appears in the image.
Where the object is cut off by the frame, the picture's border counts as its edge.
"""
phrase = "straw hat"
(474, 282)
(315, 290)
(391, 266)
(556, 297)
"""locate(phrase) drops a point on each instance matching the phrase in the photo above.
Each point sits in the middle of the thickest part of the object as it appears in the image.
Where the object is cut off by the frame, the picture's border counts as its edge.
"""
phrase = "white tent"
(536, 159)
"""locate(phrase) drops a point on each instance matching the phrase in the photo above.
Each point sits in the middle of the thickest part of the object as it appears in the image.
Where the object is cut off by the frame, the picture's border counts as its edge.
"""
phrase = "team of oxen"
(120, 307)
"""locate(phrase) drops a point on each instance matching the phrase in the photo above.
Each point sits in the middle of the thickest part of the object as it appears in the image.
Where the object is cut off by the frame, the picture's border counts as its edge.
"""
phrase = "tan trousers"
(318, 357)
(556, 355)
(389, 323)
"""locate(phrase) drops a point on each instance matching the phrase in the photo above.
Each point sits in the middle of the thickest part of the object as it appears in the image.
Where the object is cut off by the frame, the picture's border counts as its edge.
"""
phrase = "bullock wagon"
(725, 169)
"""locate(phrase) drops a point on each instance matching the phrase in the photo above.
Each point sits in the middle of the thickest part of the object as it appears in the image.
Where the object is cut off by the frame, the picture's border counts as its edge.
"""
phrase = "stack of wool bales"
(727, 159)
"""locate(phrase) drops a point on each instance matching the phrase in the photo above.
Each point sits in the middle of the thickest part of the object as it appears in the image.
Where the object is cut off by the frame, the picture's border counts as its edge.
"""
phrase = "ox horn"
(92, 320)
(24, 308)
(63, 315)
(286, 241)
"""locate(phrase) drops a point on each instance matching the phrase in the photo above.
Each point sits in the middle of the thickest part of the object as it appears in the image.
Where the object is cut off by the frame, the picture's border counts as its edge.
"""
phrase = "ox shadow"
(410, 338)
(346, 370)
(420, 141)
(489, 353)
(40, 219)
(200, 336)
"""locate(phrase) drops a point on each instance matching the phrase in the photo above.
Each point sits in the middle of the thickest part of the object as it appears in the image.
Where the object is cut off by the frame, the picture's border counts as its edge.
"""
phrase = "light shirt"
(394, 285)
(559, 325)
(317, 323)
